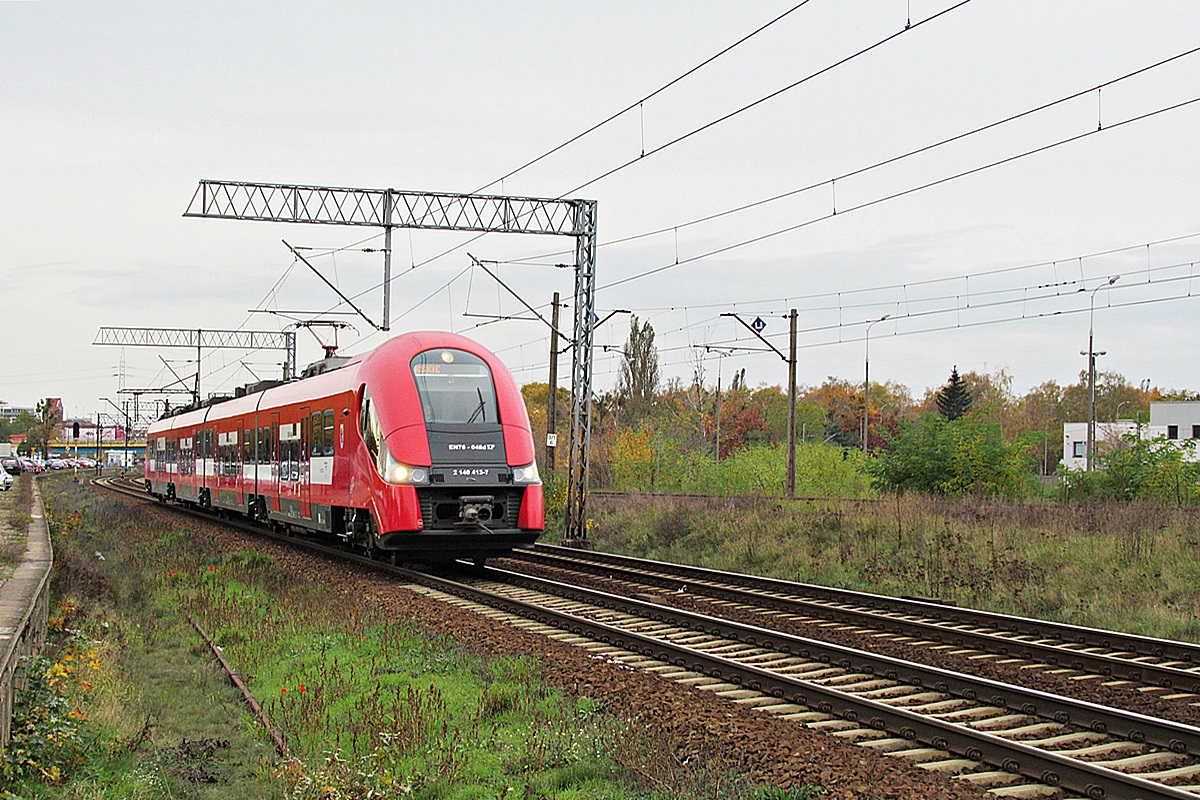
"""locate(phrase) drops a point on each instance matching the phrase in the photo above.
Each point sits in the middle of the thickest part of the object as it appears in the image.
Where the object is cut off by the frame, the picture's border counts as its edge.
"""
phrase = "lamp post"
(1091, 356)
(867, 380)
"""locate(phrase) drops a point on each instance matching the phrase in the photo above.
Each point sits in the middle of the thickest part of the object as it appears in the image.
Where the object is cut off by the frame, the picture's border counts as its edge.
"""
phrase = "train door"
(208, 464)
(306, 445)
(240, 446)
(289, 470)
(229, 478)
(272, 461)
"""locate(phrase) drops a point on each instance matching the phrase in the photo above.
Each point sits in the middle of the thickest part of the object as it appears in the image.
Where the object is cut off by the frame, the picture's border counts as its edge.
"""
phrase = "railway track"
(1167, 668)
(1010, 740)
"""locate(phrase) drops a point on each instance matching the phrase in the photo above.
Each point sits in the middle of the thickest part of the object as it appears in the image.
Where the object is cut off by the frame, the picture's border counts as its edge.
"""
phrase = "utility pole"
(552, 395)
(791, 449)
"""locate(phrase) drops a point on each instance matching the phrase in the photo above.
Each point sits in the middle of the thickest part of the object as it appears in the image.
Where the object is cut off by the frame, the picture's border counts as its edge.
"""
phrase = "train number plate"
(470, 472)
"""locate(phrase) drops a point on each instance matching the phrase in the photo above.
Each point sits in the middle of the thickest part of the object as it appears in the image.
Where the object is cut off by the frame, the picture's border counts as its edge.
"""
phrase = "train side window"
(318, 431)
(329, 432)
(367, 425)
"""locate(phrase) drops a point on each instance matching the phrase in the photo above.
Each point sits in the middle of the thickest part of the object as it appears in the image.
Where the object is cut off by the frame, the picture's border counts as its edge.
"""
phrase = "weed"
(48, 727)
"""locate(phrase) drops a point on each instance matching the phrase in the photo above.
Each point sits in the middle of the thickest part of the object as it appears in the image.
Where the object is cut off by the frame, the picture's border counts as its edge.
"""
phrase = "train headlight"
(405, 474)
(526, 474)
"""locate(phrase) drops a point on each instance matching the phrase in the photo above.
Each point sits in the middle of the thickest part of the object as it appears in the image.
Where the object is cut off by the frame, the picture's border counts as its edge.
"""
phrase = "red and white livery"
(421, 447)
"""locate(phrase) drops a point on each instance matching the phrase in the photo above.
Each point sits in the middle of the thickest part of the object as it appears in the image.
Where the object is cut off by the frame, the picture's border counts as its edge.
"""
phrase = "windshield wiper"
(478, 409)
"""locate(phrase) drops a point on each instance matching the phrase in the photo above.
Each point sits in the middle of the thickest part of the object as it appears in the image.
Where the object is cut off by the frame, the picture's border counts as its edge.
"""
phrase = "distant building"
(1174, 420)
(10, 412)
(1170, 420)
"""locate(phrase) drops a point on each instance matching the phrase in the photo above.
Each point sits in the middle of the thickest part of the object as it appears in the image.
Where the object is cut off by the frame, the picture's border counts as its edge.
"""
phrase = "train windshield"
(455, 388)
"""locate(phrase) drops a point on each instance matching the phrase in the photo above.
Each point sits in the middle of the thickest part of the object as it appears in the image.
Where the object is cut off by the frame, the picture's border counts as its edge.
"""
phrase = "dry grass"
(1133, 567)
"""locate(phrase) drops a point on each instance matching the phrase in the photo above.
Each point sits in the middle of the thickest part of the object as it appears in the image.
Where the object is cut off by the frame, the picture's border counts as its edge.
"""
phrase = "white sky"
(110, 113)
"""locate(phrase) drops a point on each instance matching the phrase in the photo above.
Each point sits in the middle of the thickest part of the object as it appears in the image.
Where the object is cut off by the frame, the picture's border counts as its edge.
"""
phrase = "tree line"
(974, 434)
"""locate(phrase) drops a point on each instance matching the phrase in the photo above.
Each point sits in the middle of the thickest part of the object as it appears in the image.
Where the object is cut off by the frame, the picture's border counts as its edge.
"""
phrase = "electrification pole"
(552, 395)
(791, 449)
(756, 328)
(867, 381)
(1091, 356)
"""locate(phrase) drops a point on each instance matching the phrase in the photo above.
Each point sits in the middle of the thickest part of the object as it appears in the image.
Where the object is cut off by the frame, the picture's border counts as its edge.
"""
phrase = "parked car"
(6, 480)
(12, 466)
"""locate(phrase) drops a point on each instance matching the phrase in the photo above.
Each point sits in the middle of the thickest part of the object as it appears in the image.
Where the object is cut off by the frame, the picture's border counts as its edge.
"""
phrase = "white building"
(1169, 419)
(1108, 435)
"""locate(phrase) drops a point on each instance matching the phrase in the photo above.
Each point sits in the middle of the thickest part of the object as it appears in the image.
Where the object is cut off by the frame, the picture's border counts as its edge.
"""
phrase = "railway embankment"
(24, 589)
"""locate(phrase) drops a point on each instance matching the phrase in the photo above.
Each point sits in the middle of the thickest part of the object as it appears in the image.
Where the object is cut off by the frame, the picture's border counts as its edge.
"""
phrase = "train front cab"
(462, 461)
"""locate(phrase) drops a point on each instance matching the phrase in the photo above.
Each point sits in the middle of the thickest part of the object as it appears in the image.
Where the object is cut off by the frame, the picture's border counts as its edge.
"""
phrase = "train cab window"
(455, 387)
(329, 432)
(368, 423)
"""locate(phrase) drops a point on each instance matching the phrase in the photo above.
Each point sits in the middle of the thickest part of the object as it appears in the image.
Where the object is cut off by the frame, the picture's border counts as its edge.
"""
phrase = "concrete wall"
(24, 612)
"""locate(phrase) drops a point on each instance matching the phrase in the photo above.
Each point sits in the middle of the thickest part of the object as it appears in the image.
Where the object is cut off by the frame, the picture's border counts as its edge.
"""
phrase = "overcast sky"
(110, 114)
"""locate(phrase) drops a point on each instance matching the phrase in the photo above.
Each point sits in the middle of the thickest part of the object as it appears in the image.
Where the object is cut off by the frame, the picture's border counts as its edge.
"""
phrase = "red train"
(421, 447)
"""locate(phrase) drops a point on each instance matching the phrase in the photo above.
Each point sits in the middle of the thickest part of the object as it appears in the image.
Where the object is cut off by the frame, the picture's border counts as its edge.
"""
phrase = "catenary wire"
(902, 193)
(885, 162)
(725, 117)
(637, 103)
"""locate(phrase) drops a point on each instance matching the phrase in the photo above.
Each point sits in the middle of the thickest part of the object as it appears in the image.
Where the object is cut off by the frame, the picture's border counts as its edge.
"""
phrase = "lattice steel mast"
(389, 209)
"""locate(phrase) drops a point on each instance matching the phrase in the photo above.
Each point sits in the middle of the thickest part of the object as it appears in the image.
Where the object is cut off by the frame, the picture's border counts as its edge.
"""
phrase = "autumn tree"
(48, 425)
(638, 382)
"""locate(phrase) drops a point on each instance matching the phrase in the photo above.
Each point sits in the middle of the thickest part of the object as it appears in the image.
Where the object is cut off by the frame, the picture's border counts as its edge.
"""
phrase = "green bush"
(1140, 469)
(943, 457)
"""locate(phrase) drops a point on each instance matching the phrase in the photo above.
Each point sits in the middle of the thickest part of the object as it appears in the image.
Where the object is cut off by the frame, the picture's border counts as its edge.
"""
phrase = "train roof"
(347, 376)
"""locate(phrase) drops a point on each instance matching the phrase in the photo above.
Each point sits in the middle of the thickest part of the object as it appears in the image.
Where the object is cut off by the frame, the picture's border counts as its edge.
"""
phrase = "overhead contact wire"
(902, 193)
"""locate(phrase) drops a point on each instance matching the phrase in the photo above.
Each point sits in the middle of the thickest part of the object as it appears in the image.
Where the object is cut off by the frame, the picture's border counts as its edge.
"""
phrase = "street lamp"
(867, 379)
(1091, 356)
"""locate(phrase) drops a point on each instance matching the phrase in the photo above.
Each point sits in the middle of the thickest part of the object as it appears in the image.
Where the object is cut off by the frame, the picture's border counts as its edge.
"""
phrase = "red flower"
(302, 689)
(283, 690)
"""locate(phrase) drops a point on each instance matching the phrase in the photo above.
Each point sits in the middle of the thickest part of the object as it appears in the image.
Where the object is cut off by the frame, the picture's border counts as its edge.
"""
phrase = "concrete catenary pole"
(791, 448)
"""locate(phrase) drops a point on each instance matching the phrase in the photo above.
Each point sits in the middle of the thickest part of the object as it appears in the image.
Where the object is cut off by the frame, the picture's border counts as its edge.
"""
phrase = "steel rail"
(945, 616)
(1055, 655)
(1174, 736)
(1093, 781)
